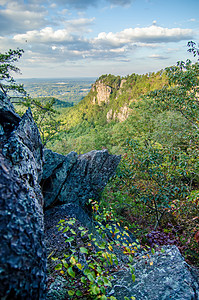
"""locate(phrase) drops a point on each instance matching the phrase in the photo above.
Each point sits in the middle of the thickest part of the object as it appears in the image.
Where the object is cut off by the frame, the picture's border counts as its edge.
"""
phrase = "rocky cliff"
(32, 178)
(103, 90)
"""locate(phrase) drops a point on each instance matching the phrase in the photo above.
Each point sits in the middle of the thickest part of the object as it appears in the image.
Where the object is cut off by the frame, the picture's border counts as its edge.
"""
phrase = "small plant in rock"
(89, 260)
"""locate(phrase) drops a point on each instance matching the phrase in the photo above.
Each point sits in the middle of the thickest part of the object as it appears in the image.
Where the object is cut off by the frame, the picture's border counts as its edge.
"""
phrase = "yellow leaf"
(62, 272)
(72, 260)
(110, 247)
(79, 266)
(151, 263)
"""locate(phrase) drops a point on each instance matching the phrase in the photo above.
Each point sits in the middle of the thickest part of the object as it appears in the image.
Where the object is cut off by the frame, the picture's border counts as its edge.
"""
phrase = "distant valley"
(66, 90)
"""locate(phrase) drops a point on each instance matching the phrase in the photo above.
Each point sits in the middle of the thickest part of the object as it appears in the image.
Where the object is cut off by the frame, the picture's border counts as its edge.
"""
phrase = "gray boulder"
(22, 253)
(76, 179)
(170, 277)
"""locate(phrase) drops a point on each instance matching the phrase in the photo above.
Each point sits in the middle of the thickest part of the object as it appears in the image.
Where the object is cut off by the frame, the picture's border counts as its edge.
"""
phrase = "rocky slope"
(32, 178)
(24, 178)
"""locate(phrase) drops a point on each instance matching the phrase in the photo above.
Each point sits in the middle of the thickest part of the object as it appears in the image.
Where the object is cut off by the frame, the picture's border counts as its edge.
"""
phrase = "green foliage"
(193, 48)
(43, 112)
(7, 67)
(181, 92)
(158, 177)
(86, 124)
(91, 265)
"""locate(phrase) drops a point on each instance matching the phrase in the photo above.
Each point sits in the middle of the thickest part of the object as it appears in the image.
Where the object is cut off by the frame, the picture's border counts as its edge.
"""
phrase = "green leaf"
(90, 235)
(103, 297)
(70, 239)
(95, 289)
(107, 282)
(87, 271)
(83, 250)
(152, 250)
(102, 245)
(71, 222)
(90, 277)
(73, 232)
(133, 277)
(84, 232)
(81, 228)
(61, 221)
(54, 258)
(64, 263)
(71, 292)
(83, 280)
(71, 272)
(72, 260)
(79, 293)
(60, 228)
(130, 258)
(66, 229)
(79, 266)
(58, 267)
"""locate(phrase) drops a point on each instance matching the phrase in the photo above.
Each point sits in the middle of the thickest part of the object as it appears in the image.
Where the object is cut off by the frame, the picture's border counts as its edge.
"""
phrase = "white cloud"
(45, 35)
(151, 34)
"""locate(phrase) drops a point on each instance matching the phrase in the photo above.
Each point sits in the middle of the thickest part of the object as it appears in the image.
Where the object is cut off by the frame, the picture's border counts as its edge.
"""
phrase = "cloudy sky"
(88, 38)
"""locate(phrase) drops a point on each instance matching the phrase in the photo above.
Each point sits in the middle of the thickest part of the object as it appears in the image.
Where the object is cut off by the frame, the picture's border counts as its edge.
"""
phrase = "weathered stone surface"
(88, 177)
(120, 115)
(76, 179)
(8, 117)
(103, 92)
(23, 149)
(168, 278)
(57, 168)
(22, 251)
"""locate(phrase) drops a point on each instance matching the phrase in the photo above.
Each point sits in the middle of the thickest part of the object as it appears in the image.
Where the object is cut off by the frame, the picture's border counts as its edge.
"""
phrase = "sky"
(88, 38)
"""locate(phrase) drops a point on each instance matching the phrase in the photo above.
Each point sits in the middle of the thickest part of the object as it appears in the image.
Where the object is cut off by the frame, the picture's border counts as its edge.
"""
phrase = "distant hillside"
(110, 97)
(57, 103)
(108, 103)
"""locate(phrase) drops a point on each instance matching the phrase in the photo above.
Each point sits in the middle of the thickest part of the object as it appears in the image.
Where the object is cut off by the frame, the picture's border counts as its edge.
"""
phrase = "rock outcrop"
(167, 277)
(103, 93)
(26, 173)
(22, 253)
(120, 115)
(76, 179)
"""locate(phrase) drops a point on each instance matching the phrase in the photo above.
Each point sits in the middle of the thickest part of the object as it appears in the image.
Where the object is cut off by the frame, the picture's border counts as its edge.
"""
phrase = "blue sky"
(88, 38)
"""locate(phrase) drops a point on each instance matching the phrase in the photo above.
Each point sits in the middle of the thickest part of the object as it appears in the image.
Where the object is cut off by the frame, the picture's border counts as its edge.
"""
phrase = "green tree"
(193, 48)
(181, 92)
(7, 67)
(43, 112)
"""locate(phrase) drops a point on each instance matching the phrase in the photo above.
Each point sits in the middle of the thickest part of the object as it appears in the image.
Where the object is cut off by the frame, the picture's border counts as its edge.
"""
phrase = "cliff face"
(103, 93)
(104, 90)
(22, 253)
(32, 178)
